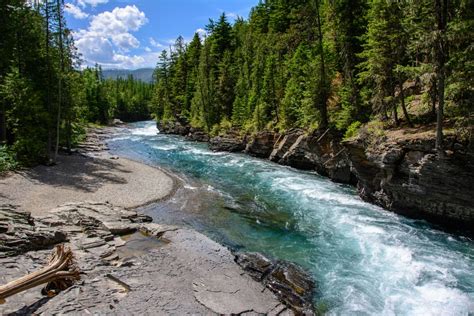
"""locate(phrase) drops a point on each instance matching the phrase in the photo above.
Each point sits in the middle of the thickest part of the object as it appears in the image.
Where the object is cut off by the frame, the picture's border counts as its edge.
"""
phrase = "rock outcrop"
(197, 135)
(320, 151)
(407, 176)
(231, 142)
(289, 282)
(176, 128)
(154, 269)
(19, 232)
(261, 144)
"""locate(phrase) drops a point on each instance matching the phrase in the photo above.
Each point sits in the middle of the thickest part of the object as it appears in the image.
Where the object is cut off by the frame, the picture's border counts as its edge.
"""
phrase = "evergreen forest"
(310, 64)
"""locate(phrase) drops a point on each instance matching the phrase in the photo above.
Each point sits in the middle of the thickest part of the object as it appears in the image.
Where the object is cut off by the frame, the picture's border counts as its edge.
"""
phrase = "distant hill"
(144, 74)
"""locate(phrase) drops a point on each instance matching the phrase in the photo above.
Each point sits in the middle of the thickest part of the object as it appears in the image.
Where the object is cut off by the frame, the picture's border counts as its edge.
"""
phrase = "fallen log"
(59, 274)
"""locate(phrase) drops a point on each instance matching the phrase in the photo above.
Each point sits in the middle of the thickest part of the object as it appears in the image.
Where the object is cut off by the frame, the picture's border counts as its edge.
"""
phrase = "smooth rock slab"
(233, 293)
(187, 274)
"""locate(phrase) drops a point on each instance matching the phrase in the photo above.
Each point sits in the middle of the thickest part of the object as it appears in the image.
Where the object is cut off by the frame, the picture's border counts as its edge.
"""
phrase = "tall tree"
(441, 52)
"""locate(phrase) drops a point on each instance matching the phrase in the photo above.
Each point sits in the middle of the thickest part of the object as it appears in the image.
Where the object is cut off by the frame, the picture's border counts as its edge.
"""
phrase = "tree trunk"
(61, 73)
(48, 83)
(3, 125)
(323, 80)
(440, 53)
(395, 116)
(404, 108)
(433, 93)
(59, 271)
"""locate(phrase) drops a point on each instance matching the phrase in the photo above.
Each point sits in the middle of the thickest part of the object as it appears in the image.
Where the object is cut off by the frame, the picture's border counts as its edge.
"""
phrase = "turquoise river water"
(365, 260)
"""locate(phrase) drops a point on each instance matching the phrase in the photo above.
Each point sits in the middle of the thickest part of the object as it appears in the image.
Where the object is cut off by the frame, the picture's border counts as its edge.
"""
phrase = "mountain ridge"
(143, 74)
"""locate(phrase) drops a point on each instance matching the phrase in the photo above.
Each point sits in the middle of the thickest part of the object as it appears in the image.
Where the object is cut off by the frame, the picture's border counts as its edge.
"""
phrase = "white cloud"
(232, 15)
(120, 20)
(75, 11)
(92, 3)
(108, 38)
(120, 61)
(147, 49)
(125, 41)
(95, 49)
(202, 32)
(155, 43)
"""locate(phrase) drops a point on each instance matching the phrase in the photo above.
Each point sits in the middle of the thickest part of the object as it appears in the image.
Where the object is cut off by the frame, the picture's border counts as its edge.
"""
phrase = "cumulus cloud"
(125, 41)
(75, 11)
(95, 49)
(108, 37)
(119, 20)
(92, 3)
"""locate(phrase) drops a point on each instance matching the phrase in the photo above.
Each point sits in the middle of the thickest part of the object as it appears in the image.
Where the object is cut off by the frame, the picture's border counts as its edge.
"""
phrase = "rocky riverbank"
(398, 170)
(320, 151)
(132, 266)
(129, 265)
(401, 172)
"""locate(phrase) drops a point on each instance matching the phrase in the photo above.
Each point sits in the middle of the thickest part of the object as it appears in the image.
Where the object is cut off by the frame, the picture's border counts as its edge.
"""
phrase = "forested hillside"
(143, 74)
(315, 64)
(45, 101)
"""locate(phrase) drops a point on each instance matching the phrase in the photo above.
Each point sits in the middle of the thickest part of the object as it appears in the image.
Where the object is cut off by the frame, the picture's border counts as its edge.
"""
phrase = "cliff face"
(399, 171)
(408, 177)
(320, 151)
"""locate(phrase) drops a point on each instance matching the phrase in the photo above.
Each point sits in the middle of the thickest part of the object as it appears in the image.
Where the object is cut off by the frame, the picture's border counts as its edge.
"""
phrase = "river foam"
(366, 260)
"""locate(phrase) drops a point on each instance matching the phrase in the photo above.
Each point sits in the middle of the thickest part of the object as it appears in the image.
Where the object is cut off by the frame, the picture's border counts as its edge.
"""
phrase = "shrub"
(7, 159)
(352, 130)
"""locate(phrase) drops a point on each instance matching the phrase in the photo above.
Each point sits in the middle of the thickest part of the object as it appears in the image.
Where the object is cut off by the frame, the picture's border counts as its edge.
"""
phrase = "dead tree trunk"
(59, 274)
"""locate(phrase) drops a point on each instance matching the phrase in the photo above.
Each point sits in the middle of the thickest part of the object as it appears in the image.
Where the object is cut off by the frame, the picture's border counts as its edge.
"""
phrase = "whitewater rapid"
(365, 260)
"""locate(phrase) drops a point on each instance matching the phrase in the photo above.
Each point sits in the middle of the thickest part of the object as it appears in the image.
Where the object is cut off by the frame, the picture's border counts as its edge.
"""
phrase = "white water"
(366, 261)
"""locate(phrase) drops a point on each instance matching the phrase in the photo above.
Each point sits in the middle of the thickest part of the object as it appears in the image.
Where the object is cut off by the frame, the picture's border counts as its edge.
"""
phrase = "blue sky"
(131, 34)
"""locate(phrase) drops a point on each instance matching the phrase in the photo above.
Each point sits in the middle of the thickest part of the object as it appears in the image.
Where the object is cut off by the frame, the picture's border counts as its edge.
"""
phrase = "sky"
(130, 34)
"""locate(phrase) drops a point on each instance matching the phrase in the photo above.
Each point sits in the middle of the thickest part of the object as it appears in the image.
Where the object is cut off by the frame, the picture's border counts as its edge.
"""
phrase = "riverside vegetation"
(392, 79)
(45, 101)
(378, 93)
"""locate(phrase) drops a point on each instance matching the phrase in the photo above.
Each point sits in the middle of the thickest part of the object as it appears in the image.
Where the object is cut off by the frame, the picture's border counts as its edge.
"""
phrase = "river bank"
(365, 259)
(76, 178)
(398, 170)
(160, 268)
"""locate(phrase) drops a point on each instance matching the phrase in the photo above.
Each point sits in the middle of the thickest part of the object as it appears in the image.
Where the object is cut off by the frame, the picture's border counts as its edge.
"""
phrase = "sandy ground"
(79, 178)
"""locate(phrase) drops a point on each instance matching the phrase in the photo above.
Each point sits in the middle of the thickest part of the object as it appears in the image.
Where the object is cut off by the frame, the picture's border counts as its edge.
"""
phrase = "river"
(365, 260)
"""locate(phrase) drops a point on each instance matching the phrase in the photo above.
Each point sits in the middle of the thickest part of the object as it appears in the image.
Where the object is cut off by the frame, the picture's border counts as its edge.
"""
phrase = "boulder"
(293, 286)
(283, 144)
(117, 122)
(254, 264)
(261, 144)
(19, 232)
(320, 151)
(197, 135)
(290, 283)
(173, 128)
(231, 142)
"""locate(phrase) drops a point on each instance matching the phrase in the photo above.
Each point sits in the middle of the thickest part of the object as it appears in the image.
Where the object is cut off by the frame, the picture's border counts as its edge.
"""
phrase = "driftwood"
(59, 274)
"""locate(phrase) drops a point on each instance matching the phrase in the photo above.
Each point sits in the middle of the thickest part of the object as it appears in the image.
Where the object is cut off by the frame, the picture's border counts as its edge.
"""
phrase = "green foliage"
(45, 102)
(7, 159)
(352, 130)
(293, 61)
